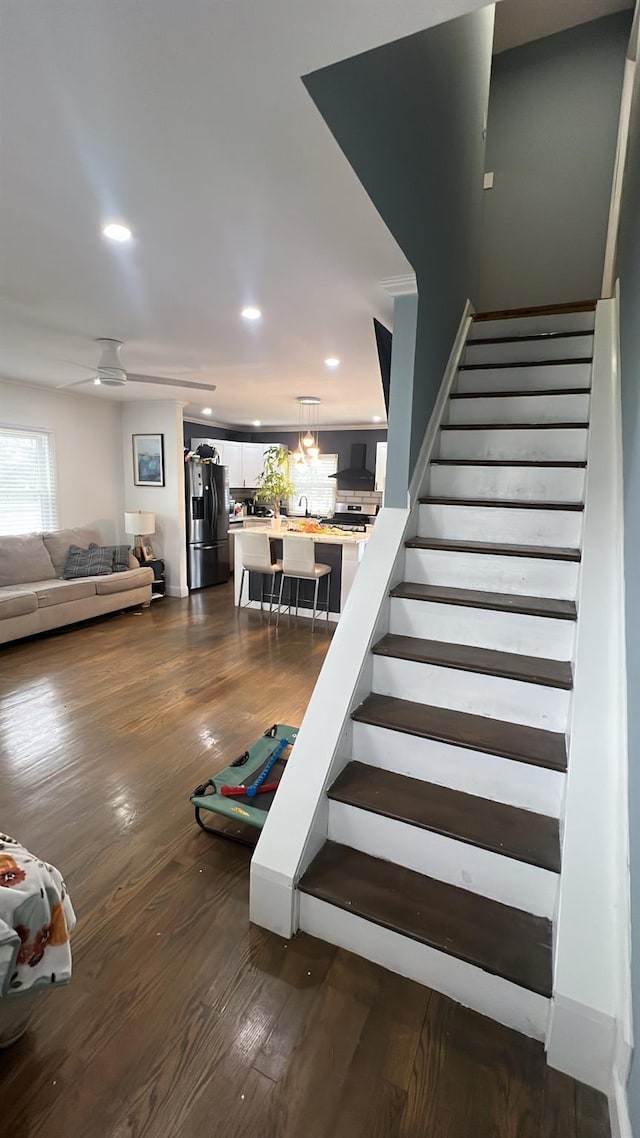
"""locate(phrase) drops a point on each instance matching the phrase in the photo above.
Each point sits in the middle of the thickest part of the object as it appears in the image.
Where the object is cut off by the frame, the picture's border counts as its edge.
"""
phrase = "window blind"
(314, 481)
(27, 481)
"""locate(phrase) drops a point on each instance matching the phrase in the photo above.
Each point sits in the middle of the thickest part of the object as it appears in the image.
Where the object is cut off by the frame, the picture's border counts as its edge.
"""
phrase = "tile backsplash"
(368, 498)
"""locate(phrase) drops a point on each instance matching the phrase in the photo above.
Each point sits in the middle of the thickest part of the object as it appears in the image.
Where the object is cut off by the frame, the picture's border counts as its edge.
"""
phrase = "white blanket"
(36, 918)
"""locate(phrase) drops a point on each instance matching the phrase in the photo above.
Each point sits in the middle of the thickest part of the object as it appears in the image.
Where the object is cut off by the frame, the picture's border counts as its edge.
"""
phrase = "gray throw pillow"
(92, 562)
(119, 556)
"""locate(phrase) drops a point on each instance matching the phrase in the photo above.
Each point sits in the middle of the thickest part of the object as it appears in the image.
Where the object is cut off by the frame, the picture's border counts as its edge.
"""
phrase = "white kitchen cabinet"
(252, 463)
(381, 465)
(231, 457)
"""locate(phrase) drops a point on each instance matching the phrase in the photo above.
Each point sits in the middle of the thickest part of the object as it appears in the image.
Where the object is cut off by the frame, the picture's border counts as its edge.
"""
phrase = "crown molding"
(405, 285)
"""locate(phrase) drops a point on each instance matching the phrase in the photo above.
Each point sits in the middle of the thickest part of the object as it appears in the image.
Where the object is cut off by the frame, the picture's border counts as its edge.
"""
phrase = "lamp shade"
(139, 521)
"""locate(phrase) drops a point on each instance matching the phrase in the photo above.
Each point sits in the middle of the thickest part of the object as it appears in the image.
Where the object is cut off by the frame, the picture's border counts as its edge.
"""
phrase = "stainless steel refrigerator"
(207, 524)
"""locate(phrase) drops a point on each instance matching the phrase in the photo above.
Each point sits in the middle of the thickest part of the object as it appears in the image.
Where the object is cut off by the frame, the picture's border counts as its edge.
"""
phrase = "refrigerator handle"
(214, 519)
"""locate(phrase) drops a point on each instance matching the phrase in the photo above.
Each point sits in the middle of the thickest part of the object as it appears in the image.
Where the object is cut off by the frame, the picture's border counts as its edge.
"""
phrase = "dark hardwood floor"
(181, 1019)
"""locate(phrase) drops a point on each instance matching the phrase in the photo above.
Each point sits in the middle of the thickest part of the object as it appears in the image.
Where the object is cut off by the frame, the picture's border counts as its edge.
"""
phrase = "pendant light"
(308, 445)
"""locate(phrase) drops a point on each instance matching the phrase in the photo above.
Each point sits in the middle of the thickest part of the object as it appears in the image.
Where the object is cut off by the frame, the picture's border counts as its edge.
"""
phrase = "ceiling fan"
(110, 372)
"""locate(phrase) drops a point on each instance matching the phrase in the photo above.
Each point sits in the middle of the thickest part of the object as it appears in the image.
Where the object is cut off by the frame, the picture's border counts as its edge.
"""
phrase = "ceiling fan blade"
(77, 383)
(165, 382)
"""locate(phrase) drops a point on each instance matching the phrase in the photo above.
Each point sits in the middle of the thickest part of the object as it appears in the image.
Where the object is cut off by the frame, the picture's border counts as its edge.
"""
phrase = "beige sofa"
(35, 598)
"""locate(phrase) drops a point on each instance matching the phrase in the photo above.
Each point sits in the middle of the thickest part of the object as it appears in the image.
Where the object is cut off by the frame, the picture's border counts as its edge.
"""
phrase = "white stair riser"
(489, 776)
(493, 573)
(520, 409)
(484, 628)
(562, 348)
(515, 483)
(489, 995)
(478, 870)
(492, 697)
(505, 526)
(533, 325)
(537, 377)
(548, 444)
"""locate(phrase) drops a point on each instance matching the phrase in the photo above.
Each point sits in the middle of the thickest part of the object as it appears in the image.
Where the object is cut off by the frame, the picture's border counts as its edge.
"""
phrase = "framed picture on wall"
(148, 460)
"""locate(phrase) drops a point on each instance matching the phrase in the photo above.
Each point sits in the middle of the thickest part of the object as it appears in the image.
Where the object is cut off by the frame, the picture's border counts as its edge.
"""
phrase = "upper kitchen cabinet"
(381, 465)
(233, 458)
(252, 463)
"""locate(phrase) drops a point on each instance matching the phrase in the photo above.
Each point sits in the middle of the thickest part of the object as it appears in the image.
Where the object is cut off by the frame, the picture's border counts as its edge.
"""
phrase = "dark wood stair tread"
(524, 363)
(502, 503)
(460, 729)
(485, 661)
(505, 830)
(501, 940)
(513, 426)
(477, 598)
(536, 310)
(521, 392)
(536, 463)
(551, 335)
(545, 552)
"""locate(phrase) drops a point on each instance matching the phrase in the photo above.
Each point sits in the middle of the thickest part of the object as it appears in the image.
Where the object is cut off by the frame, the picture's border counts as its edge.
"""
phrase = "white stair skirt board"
(493, 573)
(513, 483)
(484, 628)
(501, 525)
(533, 325)
(481, 871)
(537, 377)
(488, 776)
(549, 444)
(558, 348)
(515, 1007)
(492, 697)
(519, 409)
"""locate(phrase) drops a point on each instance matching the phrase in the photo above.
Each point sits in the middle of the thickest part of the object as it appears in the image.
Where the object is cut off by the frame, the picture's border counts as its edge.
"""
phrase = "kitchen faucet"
(306, 504)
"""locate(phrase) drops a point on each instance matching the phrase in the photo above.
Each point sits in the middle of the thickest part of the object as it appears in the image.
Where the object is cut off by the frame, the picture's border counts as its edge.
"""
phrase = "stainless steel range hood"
(356, 476)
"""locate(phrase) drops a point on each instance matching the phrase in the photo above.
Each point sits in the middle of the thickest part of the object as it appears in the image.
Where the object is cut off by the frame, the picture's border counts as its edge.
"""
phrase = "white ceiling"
(519, 21)
(188, 121)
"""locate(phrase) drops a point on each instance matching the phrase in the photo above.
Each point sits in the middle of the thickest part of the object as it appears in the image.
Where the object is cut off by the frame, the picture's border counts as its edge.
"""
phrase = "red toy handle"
(240, 791)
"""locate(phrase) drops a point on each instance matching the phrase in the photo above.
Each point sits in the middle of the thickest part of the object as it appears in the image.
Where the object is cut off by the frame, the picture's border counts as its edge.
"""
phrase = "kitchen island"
(343, 551)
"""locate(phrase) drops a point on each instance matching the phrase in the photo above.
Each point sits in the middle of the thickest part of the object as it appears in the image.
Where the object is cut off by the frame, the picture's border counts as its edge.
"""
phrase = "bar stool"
(299, 563)
(255, 555)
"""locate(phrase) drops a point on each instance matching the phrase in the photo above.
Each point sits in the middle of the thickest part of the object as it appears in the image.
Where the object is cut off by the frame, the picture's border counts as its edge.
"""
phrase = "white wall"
(87, 440)
(163, 416)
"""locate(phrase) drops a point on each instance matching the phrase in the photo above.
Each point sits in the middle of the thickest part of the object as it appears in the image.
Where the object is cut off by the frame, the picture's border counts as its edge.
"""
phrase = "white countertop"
(344, 538)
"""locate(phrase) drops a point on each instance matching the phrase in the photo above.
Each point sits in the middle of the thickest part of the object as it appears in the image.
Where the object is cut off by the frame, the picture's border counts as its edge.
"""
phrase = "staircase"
(443, 849)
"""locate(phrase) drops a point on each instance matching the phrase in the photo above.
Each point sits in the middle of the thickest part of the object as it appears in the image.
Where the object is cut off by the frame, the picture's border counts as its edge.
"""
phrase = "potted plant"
(274, 482)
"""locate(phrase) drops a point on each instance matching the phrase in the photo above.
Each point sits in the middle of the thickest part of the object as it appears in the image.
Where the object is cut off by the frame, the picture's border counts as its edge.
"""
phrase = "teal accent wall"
(410, 116)
(551, 139)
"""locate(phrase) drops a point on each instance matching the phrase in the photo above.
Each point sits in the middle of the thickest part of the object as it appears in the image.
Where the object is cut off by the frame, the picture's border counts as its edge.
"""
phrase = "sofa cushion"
(59, 542)
(16, 602)
(121, 582)
(24, 558)
(58, 592)
(91, 562)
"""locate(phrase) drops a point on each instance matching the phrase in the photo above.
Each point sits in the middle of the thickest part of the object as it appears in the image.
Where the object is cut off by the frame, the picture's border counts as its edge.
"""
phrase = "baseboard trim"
(580, 1043)
(177, 591)
(619, 1111)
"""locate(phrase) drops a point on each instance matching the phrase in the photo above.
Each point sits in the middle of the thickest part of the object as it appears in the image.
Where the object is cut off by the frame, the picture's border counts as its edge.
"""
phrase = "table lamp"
(141, 523)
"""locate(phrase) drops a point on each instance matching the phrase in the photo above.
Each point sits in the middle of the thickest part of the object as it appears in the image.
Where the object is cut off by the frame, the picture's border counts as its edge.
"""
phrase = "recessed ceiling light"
(377, 418)
(251, 313)
(117, 232)
(331, 361)
(256, 422)
(206, 410)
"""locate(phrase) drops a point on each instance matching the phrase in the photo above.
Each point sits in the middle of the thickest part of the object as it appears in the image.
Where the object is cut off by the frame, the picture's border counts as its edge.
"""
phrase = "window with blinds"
(314, 481)
(27, 481)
